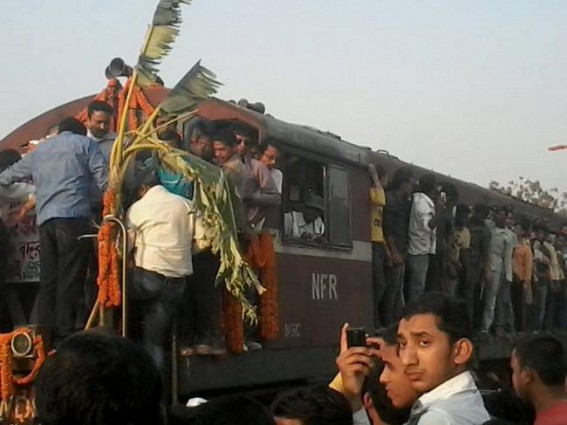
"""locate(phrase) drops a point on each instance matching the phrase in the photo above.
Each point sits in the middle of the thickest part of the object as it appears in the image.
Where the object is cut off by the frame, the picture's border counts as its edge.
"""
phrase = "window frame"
(325, 162)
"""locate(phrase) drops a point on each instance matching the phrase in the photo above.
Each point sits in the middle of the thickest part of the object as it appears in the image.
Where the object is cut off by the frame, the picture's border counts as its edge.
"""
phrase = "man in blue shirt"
(63, 170)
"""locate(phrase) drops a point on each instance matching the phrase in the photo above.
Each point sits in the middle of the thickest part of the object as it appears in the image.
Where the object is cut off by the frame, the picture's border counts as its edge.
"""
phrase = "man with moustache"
(434, 337)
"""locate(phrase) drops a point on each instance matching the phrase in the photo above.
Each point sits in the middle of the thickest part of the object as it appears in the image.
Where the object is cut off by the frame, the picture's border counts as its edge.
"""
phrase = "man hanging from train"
(425, 215)
(377, 202)
(499, 274)
(395, 226)
(163, 241)
(63, 170)
(199, 314)
(269, 155)
(260, 191)
(199, 139)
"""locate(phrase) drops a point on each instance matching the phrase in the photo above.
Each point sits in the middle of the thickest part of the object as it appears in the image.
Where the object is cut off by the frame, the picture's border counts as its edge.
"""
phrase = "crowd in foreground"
(415, 372)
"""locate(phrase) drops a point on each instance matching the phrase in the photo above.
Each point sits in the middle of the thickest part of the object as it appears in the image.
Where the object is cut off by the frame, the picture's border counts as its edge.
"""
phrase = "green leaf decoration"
(196, 85)
(159, 38)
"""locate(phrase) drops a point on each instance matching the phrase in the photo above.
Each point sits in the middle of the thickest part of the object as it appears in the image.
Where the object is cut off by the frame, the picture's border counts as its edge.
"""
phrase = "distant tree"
(532, 192)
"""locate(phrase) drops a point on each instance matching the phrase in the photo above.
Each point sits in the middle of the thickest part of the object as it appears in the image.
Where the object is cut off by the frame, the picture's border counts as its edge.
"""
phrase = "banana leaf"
(197, 84)
(159, 39)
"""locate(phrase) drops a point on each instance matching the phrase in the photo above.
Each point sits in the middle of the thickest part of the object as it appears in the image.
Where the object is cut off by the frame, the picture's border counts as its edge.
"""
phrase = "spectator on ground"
(98, 379)
(434, 337)
(314, 405)
(374, 377)
(538, 374)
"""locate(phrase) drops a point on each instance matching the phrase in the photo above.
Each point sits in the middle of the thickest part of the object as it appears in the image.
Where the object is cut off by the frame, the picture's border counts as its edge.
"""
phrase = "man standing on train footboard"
(62, 169)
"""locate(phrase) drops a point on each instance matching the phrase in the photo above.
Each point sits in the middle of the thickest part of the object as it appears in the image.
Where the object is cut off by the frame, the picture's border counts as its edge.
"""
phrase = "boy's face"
(393, 377)
(426, 352)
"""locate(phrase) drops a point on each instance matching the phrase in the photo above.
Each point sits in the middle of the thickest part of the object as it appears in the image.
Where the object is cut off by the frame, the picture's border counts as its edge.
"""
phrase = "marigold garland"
(109, 293)
(7, 379)
(261, 256)
(232, 322)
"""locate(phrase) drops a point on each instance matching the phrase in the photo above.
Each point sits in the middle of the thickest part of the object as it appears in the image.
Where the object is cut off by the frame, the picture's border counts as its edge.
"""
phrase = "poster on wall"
(23, 258)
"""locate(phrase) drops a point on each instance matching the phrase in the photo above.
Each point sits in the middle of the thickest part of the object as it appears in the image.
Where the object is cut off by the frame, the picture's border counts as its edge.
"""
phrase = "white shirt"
(16, 192)
(295, 225)
(105, 144)
(422, 239)
(277, 177)
(162, 228)
(454, 402)
(360, 417)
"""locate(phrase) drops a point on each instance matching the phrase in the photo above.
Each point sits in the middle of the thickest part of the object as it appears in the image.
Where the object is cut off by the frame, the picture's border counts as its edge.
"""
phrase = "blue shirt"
(63, 170)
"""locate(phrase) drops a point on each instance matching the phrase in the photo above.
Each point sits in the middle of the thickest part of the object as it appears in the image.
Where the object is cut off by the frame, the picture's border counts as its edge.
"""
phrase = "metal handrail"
(124, 232)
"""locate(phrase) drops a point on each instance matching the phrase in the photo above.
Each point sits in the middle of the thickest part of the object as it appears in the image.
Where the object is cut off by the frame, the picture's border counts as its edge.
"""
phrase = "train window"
(315, 203)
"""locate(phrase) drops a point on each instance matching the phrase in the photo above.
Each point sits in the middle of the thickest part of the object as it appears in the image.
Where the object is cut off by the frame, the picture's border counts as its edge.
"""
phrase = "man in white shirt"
(163, 229)
(422, 235)
(306, 224)
(435, 349)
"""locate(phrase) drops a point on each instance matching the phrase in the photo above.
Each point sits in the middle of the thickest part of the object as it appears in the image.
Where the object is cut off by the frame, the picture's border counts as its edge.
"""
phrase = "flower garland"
(7, 379)
(261, 256)
(232, 322)
(109, 293)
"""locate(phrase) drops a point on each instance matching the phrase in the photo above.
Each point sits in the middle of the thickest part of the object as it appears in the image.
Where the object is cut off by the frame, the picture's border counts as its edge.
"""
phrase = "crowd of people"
(65, 175)
(417, 371)
(428, 250)
(510, 269)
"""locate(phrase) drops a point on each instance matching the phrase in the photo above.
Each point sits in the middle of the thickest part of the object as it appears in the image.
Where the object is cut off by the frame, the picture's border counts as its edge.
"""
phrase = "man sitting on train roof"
(306, 224)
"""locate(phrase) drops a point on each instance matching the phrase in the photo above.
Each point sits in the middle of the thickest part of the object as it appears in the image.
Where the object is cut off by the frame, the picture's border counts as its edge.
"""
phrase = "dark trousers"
(470, 291)
(504, 310)
(417, 266)
(155, 299)
(537, 309)
(553, 303)
(378, 282)
(393, 299)
(199, 314)
(63, 259)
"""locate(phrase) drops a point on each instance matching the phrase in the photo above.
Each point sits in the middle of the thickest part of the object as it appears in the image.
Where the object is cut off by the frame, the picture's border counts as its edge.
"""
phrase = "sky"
(476, 89)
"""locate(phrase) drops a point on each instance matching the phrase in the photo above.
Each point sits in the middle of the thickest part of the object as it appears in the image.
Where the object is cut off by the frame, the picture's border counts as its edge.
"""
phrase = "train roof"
(300, 137)
(331, 145)
(294, 135)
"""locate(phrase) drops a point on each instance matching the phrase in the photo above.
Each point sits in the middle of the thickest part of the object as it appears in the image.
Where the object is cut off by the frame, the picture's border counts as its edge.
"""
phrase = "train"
(321, 284)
